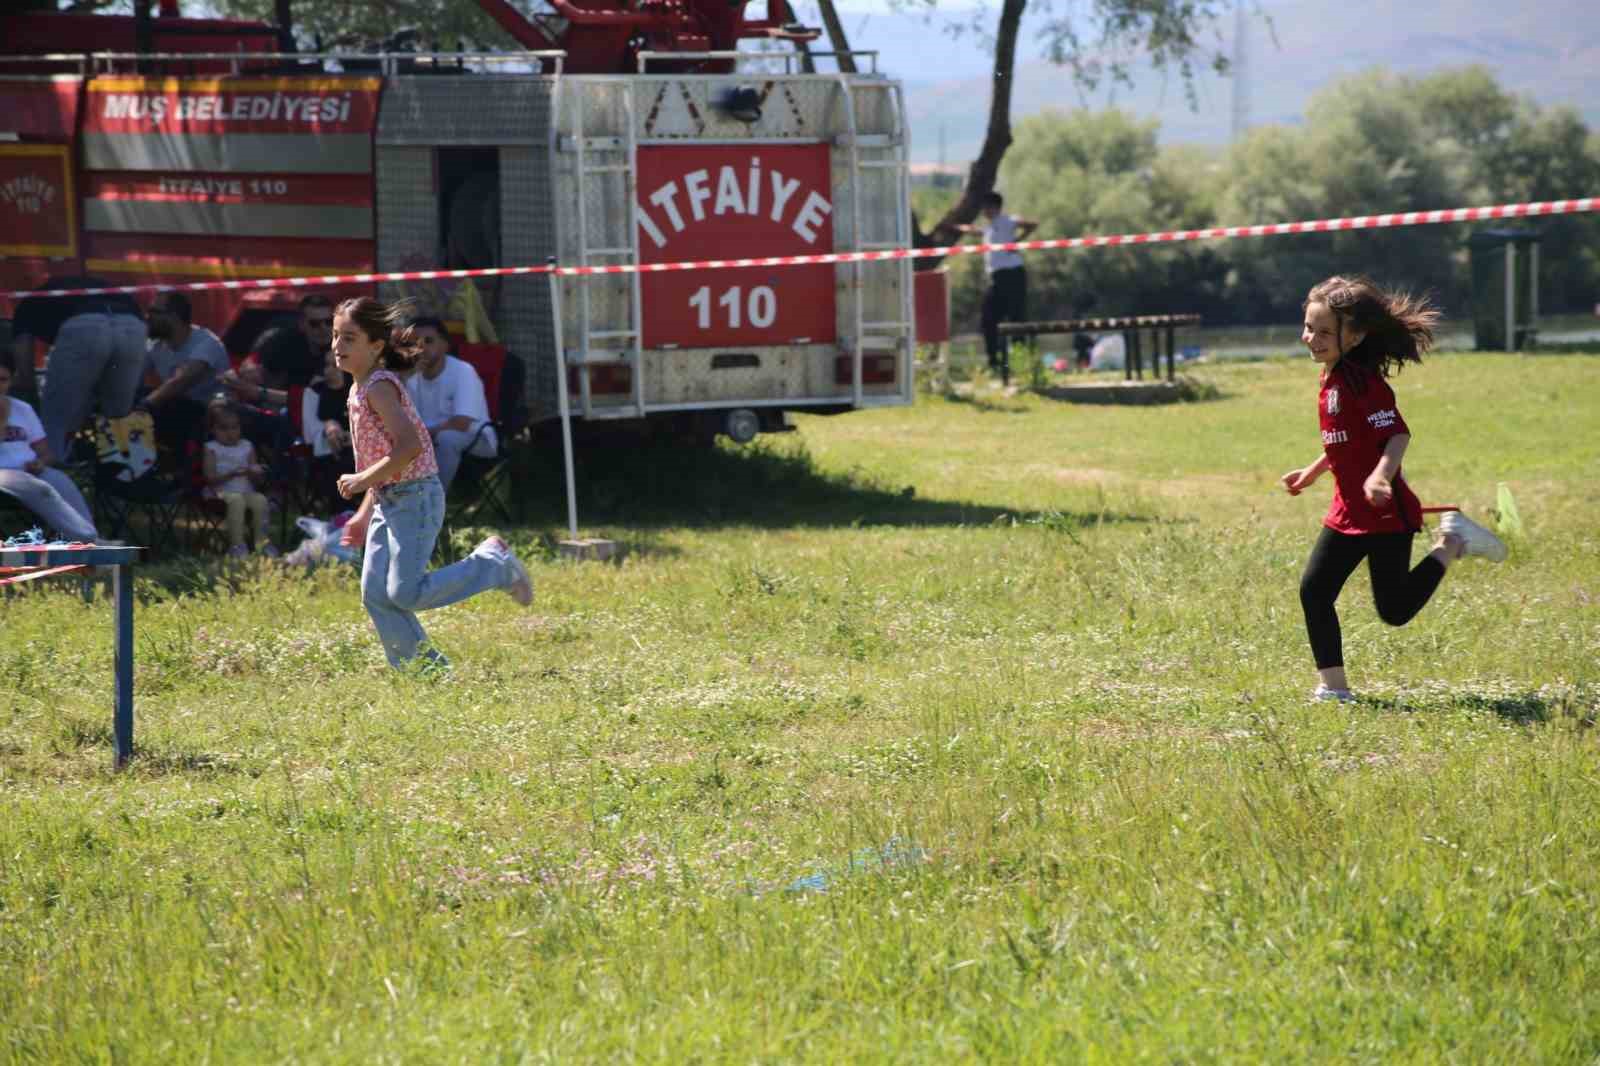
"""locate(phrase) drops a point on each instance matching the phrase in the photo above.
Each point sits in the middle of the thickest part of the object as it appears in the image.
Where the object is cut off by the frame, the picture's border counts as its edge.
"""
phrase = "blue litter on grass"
(817, 882)
(895, 854)
(32, 538)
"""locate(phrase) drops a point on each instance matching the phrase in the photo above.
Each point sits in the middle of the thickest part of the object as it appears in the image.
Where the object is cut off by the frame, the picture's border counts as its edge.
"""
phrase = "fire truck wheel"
(742, 425)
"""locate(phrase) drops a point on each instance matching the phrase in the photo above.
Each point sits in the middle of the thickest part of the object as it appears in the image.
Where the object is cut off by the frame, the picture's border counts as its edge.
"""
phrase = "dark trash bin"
(1505, 289)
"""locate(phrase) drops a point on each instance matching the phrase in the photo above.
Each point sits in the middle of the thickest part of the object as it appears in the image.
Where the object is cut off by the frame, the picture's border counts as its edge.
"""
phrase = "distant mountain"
(1548, 50)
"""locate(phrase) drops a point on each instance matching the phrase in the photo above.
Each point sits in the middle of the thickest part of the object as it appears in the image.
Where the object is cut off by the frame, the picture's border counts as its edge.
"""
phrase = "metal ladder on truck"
(620, 342)
(895, 334)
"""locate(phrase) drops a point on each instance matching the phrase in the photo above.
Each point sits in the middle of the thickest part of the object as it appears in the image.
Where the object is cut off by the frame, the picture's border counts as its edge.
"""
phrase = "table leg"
(122, 721)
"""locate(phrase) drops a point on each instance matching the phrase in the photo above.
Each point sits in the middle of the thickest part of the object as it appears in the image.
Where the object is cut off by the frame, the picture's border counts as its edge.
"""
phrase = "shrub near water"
(972, 731)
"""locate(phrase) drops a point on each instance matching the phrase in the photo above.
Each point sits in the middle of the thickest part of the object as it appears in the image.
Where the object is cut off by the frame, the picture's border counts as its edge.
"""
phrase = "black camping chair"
(482, 488)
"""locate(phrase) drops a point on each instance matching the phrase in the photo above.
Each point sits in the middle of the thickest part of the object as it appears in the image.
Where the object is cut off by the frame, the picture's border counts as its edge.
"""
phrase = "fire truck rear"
(195, 166)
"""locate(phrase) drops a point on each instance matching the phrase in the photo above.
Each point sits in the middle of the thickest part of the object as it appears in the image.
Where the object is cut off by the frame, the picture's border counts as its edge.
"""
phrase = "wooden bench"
(1131, 327)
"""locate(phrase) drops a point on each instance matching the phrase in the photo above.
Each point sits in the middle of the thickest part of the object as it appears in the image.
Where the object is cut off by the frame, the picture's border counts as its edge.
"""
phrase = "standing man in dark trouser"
(97, 352)
(1007, 298)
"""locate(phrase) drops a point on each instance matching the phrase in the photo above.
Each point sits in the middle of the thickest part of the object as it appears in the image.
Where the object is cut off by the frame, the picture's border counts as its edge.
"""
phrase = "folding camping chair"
(128, 487)
(483, 484)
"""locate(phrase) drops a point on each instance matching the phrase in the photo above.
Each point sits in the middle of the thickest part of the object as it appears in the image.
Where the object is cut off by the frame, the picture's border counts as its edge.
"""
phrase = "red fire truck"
(621, 135)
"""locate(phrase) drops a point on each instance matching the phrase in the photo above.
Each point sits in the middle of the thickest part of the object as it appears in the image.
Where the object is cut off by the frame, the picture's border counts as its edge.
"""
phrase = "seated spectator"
(265, 409)
(325, 425)
(233, 475)
(295, 356)
(97, 353)
(189, 361)
(26, 473)
(287, 365)
(449, 398)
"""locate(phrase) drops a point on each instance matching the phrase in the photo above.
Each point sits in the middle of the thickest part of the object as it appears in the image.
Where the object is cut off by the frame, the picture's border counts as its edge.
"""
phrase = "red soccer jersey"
(1356, 424)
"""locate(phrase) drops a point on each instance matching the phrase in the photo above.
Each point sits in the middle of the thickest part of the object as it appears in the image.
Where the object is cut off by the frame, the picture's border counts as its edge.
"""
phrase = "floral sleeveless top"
(372, 441)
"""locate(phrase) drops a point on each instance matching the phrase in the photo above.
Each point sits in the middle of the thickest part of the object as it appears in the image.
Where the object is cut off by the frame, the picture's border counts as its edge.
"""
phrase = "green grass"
(973, 731)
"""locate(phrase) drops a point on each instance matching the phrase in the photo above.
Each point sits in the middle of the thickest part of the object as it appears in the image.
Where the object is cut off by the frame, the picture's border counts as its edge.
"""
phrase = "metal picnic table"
(42, 560)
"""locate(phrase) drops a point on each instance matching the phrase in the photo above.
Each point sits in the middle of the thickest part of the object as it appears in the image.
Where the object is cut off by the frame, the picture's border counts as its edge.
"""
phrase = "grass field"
(972, 731)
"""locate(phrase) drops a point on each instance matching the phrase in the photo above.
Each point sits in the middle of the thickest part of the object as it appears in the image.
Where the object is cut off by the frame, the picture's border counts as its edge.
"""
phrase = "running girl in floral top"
(402, 505)
(1361, 334)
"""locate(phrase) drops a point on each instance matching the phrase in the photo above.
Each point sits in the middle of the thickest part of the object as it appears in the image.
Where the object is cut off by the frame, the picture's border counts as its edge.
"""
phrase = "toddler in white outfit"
(231, 475)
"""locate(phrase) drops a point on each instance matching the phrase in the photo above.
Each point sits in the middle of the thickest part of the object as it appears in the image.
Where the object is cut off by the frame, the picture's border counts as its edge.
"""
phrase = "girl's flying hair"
(389, 323)
(1398, 326)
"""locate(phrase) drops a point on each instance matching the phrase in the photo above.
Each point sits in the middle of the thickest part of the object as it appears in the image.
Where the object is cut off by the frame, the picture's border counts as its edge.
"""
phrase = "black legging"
(1398, 590)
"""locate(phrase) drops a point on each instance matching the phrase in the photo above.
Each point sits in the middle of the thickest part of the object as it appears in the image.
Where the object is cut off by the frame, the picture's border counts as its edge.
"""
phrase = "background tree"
(437, 25)
(1372, 142)
(1364, 148)
(1102, 172)
(1551, 155)
(1094, 40)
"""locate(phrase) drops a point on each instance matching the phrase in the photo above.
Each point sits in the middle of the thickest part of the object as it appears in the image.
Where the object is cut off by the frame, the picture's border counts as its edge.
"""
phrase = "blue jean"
(395, 580)
(451, 444)
(96, 356)
(52, 496)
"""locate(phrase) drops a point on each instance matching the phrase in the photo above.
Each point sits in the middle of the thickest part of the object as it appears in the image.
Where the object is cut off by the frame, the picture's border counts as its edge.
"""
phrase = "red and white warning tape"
(1324, 225)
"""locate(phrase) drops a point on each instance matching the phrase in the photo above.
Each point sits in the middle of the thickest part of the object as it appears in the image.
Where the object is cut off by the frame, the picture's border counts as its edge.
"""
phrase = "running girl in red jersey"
(1361, 334)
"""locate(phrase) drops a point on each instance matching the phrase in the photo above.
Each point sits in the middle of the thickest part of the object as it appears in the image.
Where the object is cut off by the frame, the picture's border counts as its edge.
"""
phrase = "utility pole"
(285, 20)
(1241, 71)
(144, 33)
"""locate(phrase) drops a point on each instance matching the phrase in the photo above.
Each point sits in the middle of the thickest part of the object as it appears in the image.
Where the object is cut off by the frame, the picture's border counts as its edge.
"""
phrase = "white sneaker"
(521, 587)
(1324, 694)
(1475, 539)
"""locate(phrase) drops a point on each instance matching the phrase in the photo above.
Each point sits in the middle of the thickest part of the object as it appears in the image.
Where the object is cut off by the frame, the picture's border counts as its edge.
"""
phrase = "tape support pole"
(1273, 229)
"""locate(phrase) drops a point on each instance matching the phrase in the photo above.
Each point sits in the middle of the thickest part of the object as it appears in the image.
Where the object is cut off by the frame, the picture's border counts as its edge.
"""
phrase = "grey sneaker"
(1324, 694)
(1475, 539)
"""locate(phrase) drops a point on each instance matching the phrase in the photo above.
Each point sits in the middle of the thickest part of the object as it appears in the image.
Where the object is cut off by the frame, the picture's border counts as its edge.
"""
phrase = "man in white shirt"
(1007, 298)
(449, 398)
(189, 361)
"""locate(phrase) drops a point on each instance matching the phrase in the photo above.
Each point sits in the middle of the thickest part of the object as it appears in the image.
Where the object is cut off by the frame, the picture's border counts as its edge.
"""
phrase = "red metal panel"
(138, 258)
(43, 33)
(932, 291)
(229, 257)
(36, 205)
(736, 202)
(38, 222)
(353, 190)
(39, 108)
(150, 221)
(320, 105)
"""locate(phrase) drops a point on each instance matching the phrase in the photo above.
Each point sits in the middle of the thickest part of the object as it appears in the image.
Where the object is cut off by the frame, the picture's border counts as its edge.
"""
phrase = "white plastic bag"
(322, 541)
(1110, 352)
